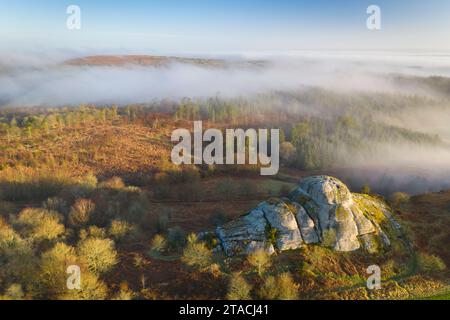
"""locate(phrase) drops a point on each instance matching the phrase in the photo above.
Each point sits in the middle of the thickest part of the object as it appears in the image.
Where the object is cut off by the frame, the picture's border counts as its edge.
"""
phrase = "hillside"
(105, 148)
(158, 61)
(100, 178)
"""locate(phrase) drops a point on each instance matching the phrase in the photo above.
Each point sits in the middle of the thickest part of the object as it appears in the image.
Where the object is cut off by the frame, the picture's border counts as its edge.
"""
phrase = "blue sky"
(224, 26)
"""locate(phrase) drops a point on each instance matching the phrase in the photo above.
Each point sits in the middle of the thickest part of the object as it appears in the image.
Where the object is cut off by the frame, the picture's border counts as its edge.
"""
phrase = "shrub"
(139, 261)
(20, 266)
(215, 270)
(89, 181)
(119, 230)
(430, 263)
(365, 189)
(399, 198)
(91, 289)
(211, 240)
(190, 174)
(196, 254)
(112, 183)
(80, 212)
(158, 244)
(238, 288)
(161, 178)
(124, 292)
(287, 152)
(99, 255)
(271, 234)
(162, 223)
(56, 204)
(176, 238)
(176, 175)
(54, 262)
(218, 217)
(6, 208)
(10, 240)
(288, 289)
(318, 259)
(93, 232)
(40, 224)
(269, 290)
(260, 260)
(84, 186)
(23, 183)
(208, 170)
(13, 292)
(282, 287)
(138, 209)
(107, 210)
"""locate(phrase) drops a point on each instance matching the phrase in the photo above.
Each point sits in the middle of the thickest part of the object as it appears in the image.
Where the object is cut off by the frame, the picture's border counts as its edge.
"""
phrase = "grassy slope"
(104, 149)
(119, 148)
(445, 296)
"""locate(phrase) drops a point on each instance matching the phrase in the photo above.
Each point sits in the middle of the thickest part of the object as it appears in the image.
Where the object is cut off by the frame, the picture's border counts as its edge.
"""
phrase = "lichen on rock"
(320, 210)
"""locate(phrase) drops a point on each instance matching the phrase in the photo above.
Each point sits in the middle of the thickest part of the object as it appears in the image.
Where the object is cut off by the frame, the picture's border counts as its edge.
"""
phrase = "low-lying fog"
(27, 80)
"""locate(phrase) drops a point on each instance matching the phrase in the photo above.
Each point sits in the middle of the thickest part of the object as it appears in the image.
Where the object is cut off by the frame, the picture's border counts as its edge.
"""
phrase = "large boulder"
(245, 234)
(281, 217)
(325, 190)
(320, 210)
(306, 224)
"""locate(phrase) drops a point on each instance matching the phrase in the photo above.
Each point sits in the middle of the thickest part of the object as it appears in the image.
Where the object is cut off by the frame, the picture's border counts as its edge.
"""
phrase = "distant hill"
(159, 61)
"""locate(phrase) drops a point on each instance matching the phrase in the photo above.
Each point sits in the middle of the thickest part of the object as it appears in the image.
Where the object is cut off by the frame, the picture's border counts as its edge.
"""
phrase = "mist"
(39, 80)
(46, 80)
(395, 167)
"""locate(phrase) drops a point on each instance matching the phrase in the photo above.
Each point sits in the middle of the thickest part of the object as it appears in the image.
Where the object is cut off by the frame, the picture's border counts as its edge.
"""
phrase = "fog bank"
(43, 80)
